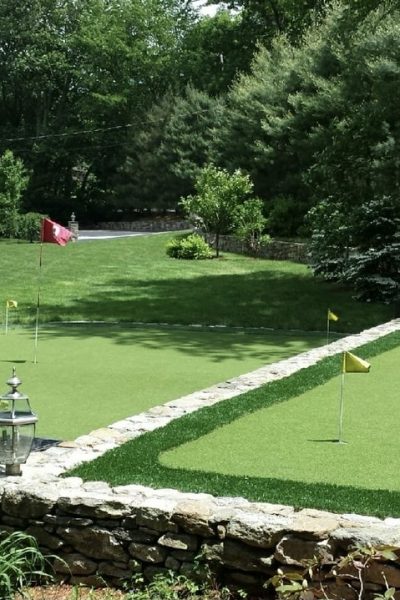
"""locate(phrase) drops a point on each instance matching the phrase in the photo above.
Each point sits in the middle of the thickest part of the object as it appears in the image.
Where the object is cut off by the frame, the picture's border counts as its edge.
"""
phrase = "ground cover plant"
(21, 563)
(139, 460)
(133, 280)
(89, 376)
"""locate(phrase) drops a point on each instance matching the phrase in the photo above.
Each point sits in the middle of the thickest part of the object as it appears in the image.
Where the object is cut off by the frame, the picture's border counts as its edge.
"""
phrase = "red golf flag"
(53, 233)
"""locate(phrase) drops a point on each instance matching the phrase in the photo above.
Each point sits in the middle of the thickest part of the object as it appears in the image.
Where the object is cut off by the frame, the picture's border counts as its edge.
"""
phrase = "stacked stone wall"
(274, 250)
(104, 534)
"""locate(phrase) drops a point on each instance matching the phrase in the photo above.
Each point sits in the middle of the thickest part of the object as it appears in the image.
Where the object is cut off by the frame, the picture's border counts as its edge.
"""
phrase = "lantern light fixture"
(17, 427)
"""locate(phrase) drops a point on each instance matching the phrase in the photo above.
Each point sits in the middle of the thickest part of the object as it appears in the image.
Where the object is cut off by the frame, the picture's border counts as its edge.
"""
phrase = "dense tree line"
(116, 106)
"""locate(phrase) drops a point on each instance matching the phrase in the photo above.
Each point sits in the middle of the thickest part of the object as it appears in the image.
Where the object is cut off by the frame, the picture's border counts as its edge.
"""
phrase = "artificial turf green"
(133, 280)
(295, 440)
(138, 461)
(90, 376)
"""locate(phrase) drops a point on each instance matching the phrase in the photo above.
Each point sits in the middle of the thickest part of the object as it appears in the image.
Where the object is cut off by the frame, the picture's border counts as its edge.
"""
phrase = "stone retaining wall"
(108, 533)
(275, 250)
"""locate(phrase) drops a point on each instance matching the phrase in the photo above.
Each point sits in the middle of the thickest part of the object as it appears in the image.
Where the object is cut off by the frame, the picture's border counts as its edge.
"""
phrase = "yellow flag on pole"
(354, 364)
(12, 304)
(332, 316)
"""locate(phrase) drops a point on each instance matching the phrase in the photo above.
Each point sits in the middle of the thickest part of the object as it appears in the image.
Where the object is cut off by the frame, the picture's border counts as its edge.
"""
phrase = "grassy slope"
(138, 460)
(90, 376)
(132, 279)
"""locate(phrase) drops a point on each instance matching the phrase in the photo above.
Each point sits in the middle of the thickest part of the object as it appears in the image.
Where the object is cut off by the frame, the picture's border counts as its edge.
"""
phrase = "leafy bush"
(191, 247)
(29, 226)
(218, 194)
(13, 181)
(250, 224)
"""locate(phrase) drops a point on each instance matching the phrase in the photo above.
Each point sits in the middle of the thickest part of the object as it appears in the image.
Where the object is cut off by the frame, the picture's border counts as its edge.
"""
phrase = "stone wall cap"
(354, 520)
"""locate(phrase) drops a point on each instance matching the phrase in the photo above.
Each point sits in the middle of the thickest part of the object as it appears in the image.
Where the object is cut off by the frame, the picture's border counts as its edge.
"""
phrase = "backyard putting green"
(88, 376)
(275, 443)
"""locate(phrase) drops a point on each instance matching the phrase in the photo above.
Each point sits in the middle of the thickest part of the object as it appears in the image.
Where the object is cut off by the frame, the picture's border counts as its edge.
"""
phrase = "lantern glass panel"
(14, 407)
(15, 443)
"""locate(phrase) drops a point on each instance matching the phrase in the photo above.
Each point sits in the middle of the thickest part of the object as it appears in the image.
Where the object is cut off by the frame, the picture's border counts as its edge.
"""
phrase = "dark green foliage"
(215, 50)
(330, 240)
(264, 19)
(355, 178)
(137, 461)
(168, 152)
(191, 247)
(261, 134)
(13, 182)
(89, 66)
(249, 224)
(374, 267)
(145, 179)
(29, 226)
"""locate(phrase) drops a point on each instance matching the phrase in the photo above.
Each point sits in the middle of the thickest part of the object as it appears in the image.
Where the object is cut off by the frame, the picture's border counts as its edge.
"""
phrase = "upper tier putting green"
(90, 376)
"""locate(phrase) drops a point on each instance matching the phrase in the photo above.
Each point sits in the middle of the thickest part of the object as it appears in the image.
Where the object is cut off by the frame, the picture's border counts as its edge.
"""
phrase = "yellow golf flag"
(354, 364)
(332, 316)
(12, 304)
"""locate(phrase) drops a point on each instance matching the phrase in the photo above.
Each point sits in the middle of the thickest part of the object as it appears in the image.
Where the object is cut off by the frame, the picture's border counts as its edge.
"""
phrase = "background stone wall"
(275, 250)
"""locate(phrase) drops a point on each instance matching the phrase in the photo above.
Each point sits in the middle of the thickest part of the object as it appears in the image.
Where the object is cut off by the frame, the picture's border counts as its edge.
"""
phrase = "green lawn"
(133, 280)
(275, 443)
(90, 376)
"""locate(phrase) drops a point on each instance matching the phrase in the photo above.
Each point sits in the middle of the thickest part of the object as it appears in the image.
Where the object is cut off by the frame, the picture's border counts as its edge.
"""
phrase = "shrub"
(250, 224)
(29, 226)
(218, 194)
(191, 247)
(13, 182)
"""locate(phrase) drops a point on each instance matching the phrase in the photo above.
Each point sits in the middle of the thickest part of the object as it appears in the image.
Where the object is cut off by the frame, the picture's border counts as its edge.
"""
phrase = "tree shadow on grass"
(218, 344)
(272, 299)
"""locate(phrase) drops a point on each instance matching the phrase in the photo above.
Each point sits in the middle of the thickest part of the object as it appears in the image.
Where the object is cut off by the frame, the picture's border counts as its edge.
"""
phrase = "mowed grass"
(88, 377)
(133, 280)
(306, 468)
(297, 440)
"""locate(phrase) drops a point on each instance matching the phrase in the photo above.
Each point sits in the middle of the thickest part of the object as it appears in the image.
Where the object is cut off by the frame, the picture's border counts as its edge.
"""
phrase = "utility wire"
(85, 131)
(66, 134)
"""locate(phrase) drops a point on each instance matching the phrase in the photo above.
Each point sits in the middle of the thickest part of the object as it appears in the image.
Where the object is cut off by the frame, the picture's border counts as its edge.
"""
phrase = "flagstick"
(6, 318)
(327, 328)
(341, 410)
(38, 304)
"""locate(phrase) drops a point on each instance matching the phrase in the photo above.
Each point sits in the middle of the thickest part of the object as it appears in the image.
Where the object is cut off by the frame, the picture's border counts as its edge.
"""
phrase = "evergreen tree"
(169, 151)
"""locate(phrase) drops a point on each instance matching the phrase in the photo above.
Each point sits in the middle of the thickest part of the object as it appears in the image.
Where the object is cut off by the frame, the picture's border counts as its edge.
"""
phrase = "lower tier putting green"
(297, 440)
(88, 376)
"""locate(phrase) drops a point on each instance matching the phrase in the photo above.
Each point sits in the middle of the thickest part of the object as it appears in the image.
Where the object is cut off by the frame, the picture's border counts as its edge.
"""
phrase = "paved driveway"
(103, 234)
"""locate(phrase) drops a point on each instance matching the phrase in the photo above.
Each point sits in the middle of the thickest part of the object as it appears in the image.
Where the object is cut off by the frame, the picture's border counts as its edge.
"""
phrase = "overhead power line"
(66, 134)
